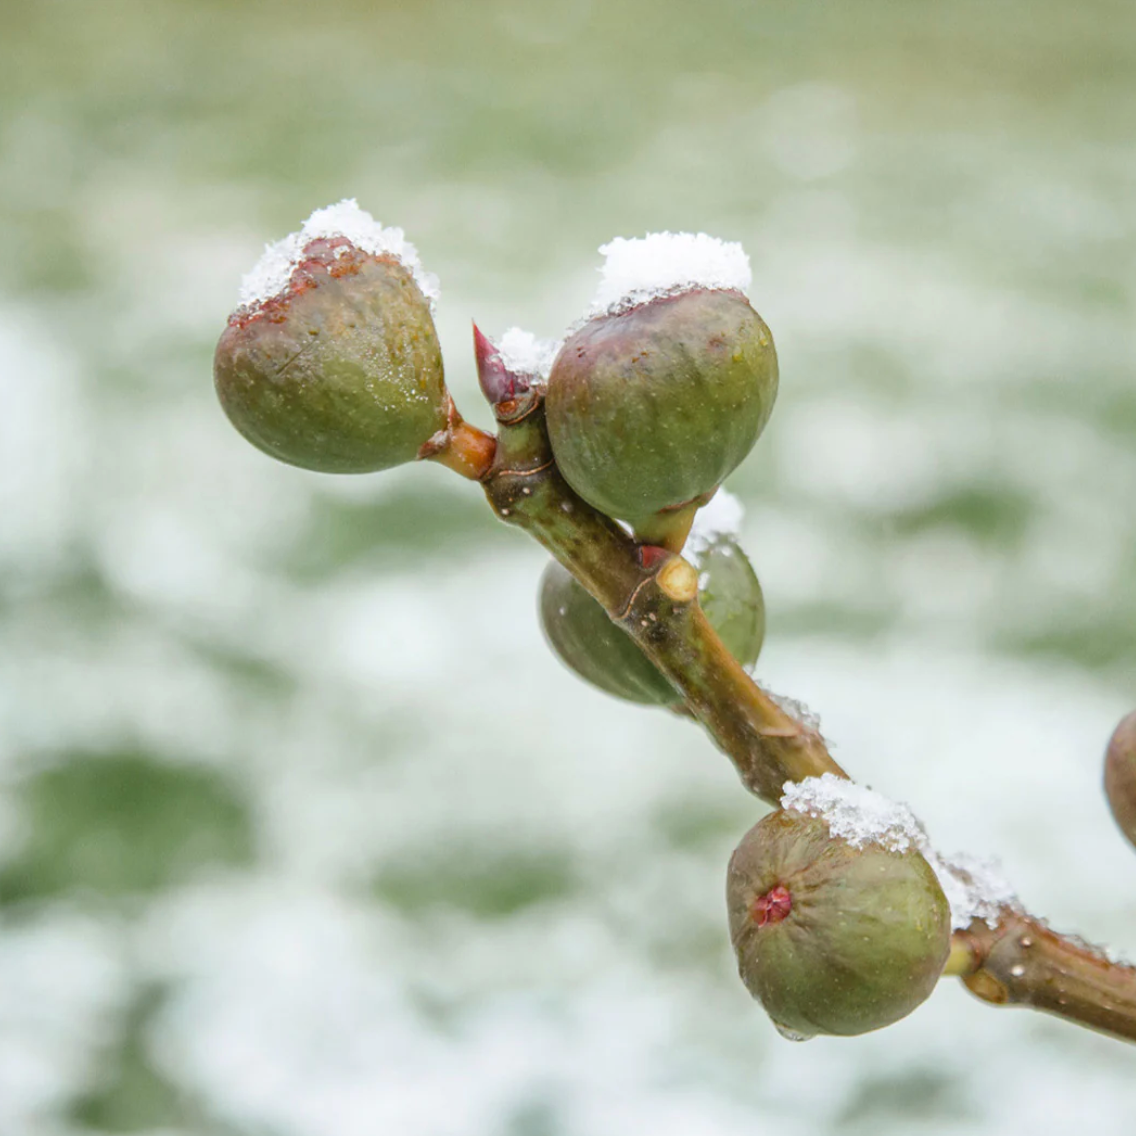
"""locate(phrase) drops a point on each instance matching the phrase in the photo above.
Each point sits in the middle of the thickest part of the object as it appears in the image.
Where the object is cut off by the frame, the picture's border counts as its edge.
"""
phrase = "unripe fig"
(651, 407)
(599, 651)
(339, 370)
(832, 938)
(1120, 776)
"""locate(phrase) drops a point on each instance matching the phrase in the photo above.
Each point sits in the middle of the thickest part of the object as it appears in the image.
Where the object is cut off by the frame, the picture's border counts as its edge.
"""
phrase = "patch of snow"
(854, 813)
(273, 271)
(524, 354)
(639, 269)
(1117, 957)
(795, 708)
(720, 517)
(974, 888)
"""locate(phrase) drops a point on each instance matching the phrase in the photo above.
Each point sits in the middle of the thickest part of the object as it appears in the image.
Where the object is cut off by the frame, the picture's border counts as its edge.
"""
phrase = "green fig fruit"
(1120, 776)
(652, 407)
(832, 938)
(599, 651)
(340, 370)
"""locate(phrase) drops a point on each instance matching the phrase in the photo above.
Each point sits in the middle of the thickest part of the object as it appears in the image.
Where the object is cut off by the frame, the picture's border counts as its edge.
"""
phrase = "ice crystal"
(855, 813)
(975, 888)
(524, 354)
(795, 708)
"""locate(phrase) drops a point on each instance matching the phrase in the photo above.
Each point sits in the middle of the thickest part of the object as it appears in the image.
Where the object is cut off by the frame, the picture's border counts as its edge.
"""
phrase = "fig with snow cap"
(332, 362)
(658, 396)
(585, 639)
(834, 934)
(1120, 776)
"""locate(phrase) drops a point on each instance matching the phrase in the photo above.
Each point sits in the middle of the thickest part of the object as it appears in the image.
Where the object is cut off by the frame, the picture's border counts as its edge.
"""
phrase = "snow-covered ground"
(365, 860)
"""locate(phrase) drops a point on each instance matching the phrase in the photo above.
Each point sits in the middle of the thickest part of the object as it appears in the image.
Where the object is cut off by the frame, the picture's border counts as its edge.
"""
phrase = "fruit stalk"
(460, 446)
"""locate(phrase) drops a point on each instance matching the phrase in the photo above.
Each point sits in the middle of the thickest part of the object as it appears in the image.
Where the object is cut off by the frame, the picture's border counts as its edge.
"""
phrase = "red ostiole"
(772, 907)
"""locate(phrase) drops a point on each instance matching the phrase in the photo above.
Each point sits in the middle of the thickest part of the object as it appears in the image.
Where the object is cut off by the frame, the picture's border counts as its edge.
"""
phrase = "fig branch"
(1019, 961)
(651, 594)
(840, 911)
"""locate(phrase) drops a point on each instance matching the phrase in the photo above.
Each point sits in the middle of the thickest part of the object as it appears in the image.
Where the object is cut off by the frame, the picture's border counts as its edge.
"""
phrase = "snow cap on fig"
(835, 934)
(332, 361)
(585, 639)
(1120, 776)
(664, 389)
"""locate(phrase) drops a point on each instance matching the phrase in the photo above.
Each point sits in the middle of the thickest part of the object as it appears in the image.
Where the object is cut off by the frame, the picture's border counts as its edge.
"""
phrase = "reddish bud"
(651, 555)
(498, 383)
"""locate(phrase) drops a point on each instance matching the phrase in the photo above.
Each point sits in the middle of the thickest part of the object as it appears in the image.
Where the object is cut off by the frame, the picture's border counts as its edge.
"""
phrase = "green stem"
(1022, 962)
(461, 447)
(670, 528)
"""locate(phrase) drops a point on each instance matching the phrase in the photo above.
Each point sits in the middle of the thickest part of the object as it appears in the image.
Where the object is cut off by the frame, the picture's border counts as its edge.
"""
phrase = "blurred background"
(274, 858)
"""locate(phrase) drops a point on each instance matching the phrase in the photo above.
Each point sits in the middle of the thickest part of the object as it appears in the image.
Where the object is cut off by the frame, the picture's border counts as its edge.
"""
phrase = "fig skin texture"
(583, 637)
(1120, 776)
(650, 408)
(865, 939)
(341, 373)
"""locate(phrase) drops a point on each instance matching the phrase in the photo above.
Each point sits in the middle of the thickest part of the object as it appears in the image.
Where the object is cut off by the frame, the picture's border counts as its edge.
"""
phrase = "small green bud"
(600, 652)
(1120, 776)
(832, 938)
(652, 407)
(332, 362)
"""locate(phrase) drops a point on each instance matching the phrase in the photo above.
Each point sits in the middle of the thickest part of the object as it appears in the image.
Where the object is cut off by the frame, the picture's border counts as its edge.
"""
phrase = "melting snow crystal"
(274, 270)
(854, 812)
(524, 354)
(795, 708)
(664, 264)
(975, 888)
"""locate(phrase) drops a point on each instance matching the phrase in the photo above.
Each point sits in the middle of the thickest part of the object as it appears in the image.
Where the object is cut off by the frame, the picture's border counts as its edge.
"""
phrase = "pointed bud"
(831, 938)
(498, 383)
(1120, 776)
(333, 362)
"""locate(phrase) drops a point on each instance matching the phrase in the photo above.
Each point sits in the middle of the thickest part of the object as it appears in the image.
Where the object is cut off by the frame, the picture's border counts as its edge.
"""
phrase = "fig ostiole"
(586, 640)
(332, 362)
(834, 938)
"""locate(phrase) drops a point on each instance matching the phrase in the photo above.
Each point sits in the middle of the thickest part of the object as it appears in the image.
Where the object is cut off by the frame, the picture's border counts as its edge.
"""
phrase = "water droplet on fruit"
(791, 1034)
